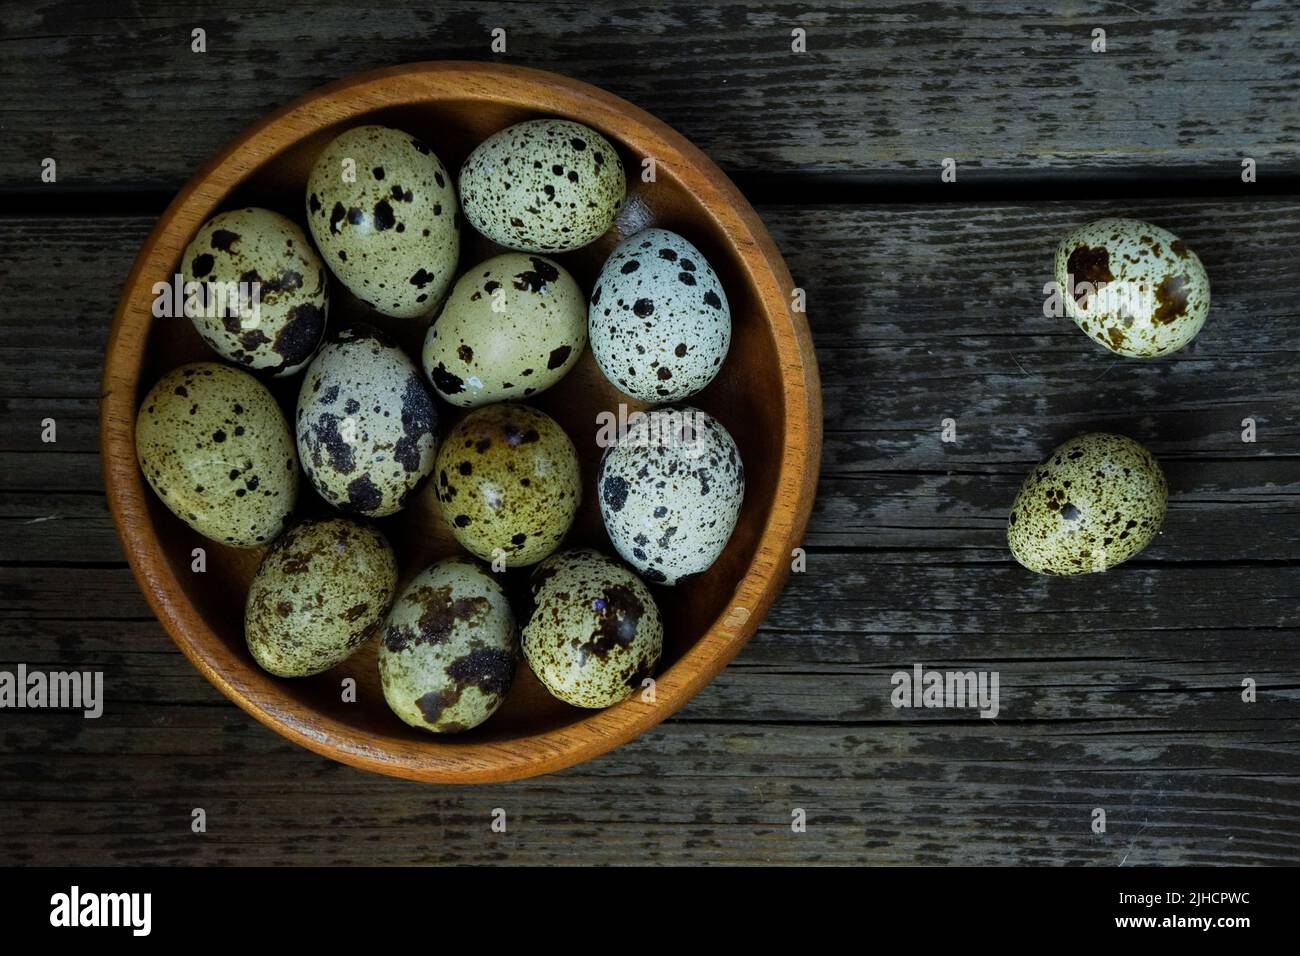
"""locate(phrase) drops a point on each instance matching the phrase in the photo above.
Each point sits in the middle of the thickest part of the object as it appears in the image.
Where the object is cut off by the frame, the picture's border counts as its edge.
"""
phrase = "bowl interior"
(746, 396)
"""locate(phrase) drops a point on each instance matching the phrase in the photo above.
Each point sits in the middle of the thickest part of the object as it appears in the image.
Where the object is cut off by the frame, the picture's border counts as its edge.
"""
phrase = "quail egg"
(513, 326)
(319, 594)
(264, 292)
(508, 483)
(449, 648)
(594, 633)
(1092, 503)
(1133, 287)
(546, 185)
(215, 447)
(670, 492)
(660, 323)
(382, 209)
(366, 424)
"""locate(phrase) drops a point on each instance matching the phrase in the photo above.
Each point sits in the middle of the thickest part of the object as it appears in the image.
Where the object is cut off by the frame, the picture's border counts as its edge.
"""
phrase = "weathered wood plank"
(685, 791)
(780, 646)
(71, 472)
(43, 526)
(1019, 620)
(858, 592)
(814, 675)
(119, 98)
(959, 514)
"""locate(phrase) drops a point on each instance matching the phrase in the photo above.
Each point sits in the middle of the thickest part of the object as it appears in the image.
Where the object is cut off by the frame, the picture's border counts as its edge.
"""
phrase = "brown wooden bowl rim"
(600, 731)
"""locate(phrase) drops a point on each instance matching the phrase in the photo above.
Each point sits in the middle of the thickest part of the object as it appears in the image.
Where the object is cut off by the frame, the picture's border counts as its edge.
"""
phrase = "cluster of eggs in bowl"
(411, 376)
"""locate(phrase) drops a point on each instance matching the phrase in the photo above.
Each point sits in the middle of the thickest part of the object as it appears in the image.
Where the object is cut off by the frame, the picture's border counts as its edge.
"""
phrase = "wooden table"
(1119, 691)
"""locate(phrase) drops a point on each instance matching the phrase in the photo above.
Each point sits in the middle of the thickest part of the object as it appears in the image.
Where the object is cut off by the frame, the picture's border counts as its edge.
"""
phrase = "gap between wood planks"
(909, 186)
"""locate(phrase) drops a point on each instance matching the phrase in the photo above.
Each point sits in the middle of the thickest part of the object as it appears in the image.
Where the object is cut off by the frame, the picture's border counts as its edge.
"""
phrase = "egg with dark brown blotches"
(1094, 502)
(545, 185)
(512, 327)
(366, 425)
(670, 492)
(594, 635)
(449, 648)
(215, 447)
(508, 483)
(318, 596)
(660, 324)
(265, 293)
(382, 209)
(1133, 287)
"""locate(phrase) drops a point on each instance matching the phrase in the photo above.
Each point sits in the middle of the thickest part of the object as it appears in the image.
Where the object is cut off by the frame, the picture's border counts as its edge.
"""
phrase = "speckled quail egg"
(546, 185)
(594, 633)
(1133, 287)
(670, 492)
(264, 296)
(382, 209)
(318, 595)
(449, 648)
(366, 424)
(215, 447)
(513, 326)
(508, 483)
(1092, 503)
(660, 323)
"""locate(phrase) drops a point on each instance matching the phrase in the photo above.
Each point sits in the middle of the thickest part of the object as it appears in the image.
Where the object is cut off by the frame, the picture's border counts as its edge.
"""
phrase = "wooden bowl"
(767, 394)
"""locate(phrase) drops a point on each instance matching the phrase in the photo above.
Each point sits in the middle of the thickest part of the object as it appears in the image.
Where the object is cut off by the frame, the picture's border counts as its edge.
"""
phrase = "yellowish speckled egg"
(594, 634)
(1133, 287)
(1092, 503)
(508, 483)
(270, 257)
(546, 185)
(449, 648)
(382, 209)
(215, 447)
(318, 595)
(513, 326)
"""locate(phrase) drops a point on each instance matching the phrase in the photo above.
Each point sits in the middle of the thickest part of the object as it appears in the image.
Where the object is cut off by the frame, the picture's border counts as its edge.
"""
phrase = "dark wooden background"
(1119, 691)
